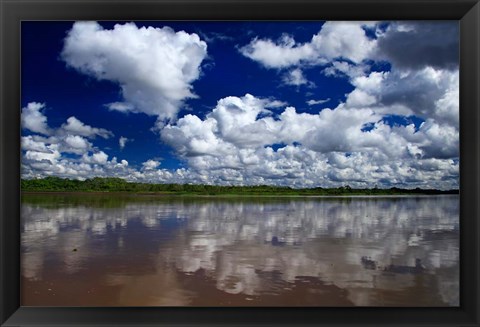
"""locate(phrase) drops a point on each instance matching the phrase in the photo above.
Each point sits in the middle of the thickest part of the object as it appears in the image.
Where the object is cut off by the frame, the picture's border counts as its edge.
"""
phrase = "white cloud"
(242, 142)
(29, 143)
(76, 144)
(275, 104)
(284, 53)
(50, 156)
(34, 120)
(100, 158)
(122, 141)
(343, 40)
(313, 102)
(45, 156)
(343, 68)
(77, 127)
(295, 77)
(441, 141)
(234, 120)
(448, 105)
(426, 93)
(153, 66)
(335, 40)
(233, 145)
(360, 98)
(150, 164)
(120, 106)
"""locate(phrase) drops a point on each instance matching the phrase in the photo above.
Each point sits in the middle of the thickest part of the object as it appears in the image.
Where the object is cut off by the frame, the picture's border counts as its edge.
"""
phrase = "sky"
(299, 104)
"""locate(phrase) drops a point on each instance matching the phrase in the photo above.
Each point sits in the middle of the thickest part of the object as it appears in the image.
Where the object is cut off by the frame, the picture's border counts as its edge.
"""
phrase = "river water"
(140, 250)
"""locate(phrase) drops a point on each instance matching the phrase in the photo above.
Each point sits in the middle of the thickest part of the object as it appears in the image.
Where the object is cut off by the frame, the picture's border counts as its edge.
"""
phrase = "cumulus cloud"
(100, 158)
(70, 137)
(234, 119)
(343, 40)
(281, 54)
(420, 76)
(76, 144)
(86, 166)
(34, 120)
(346, 40)
(234, 144)
(150, 164)
(406, 45)
(295, 77)
(343, 68)
(77, 127)
(45, 155)
(154, 67)
(30, 144)
(430, 93)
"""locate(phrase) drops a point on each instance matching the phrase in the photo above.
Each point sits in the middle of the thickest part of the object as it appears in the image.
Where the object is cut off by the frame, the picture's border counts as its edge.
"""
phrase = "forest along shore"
(118, 185)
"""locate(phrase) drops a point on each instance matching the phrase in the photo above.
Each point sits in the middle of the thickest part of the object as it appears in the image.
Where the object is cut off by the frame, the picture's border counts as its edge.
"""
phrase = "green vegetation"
(97, 184)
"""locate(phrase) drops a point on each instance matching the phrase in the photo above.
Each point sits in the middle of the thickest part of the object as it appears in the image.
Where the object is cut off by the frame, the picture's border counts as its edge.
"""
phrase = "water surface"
(111, 250)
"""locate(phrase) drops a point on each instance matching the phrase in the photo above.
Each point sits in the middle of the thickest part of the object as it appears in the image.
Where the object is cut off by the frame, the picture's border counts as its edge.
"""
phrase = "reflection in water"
(141, 250)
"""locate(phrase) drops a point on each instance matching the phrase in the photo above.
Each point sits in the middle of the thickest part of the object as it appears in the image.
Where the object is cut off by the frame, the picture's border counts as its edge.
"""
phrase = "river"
(140, 250)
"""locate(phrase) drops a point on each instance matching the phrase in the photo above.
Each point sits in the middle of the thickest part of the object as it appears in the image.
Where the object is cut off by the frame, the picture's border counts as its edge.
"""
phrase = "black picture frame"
(467, 12)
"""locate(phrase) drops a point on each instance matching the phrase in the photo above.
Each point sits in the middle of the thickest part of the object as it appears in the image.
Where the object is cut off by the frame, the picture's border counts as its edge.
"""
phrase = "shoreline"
(159, 194)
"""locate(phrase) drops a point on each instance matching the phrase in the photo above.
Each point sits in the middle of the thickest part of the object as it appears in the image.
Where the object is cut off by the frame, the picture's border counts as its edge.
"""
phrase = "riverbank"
(116, 185)
(189, 194)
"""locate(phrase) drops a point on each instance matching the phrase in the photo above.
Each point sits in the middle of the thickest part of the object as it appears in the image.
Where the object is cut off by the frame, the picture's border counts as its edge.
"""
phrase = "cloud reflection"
(241, 244)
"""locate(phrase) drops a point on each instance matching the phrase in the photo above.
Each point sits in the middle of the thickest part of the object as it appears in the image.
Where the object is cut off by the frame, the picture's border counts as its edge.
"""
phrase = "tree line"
(112, 184)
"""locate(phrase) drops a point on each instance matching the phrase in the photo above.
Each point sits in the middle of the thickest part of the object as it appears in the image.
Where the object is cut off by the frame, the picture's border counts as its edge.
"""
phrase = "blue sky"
(302, 104)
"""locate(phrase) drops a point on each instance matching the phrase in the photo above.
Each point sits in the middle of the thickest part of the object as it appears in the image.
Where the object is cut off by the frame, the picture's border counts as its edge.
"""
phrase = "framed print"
(240, 163)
